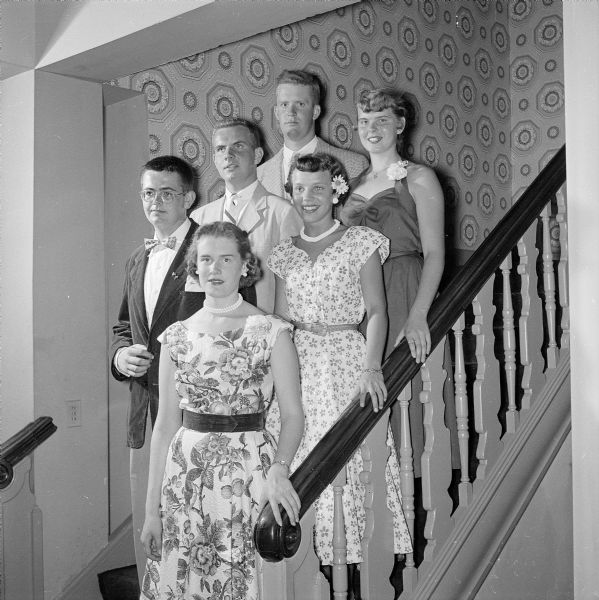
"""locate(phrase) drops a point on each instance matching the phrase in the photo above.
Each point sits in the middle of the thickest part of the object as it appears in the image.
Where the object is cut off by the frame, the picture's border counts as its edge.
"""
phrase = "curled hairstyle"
(383, 98)
(172, 164)
(231, 232)
(313, 163)
(254, 132)
(298, 77)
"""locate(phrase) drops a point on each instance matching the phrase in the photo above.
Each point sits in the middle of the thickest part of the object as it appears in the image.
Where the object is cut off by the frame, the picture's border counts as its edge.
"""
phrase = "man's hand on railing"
(278, 490)
(372, 382)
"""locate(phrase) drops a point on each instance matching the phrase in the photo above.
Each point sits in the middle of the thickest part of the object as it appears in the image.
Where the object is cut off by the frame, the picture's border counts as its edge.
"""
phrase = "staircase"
(506, 317)
(505, 314)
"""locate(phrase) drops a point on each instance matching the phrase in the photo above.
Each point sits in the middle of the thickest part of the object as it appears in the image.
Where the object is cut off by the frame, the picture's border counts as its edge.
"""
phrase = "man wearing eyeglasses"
(153, 299)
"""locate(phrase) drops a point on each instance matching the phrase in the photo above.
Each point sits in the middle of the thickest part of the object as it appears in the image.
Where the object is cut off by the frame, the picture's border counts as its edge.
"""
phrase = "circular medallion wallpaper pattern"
(485, 78)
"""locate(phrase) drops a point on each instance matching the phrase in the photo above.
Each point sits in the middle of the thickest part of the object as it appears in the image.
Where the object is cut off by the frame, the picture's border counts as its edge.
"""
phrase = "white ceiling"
(101, 40)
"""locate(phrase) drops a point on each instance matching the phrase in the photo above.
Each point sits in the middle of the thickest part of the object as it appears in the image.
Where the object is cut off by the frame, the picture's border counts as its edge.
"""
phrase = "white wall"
(536, 561)
(126, 148)
(69, 322)
(581, 54)
(16, 259)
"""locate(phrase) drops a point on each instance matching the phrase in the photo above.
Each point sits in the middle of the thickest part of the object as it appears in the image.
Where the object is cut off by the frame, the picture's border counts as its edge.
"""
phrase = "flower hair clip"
(397, 170)
(339, 185)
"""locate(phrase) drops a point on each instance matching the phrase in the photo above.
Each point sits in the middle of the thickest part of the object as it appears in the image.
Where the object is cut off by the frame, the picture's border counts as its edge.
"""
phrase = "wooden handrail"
(334, 450)
(16, 448)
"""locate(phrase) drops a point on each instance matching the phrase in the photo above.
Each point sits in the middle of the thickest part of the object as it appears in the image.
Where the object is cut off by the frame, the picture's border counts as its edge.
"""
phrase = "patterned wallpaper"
(485, 78)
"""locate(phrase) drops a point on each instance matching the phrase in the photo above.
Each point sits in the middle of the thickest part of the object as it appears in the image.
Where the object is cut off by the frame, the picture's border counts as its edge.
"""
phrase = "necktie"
(231, 211)
(170, 242)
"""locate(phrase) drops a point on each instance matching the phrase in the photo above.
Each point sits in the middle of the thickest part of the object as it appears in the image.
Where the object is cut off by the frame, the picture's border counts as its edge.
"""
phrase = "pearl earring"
(335, 199)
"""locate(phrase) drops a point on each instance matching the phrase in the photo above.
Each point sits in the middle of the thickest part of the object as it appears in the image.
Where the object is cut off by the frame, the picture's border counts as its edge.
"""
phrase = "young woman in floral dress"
(327, 278)
(211, 471)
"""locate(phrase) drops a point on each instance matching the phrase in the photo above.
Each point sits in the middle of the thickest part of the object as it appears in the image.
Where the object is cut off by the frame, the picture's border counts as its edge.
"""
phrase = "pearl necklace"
(225, 309)
(317, 238)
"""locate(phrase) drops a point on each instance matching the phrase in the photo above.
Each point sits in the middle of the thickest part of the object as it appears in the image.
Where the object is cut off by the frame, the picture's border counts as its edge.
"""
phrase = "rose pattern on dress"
(213, 481)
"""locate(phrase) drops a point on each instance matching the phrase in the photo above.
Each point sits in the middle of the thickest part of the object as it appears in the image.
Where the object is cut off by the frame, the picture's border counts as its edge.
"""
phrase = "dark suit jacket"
(173, 304)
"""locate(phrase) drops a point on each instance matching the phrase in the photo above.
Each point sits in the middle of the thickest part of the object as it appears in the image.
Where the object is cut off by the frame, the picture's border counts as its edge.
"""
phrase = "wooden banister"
(345, 436)
(25, 441)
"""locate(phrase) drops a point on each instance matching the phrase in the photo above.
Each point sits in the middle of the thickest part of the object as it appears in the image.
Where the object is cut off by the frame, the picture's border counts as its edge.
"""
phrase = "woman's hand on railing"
(372, 382)
(278, 490)
(418, 336)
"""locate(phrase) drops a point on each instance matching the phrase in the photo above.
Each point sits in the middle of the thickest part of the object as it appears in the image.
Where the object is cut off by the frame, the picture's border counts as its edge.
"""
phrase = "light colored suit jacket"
(268, 219)
(270, 173)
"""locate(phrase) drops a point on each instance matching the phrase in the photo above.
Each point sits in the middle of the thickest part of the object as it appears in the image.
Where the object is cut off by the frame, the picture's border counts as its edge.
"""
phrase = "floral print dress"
(329, 291)
(213, 481)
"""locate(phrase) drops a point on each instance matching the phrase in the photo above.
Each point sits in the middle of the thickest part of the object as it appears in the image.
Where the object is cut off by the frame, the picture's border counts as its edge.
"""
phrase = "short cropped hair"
(238, 122)
(231, 232)
(172, 164)
(313, 163)
(298, 77)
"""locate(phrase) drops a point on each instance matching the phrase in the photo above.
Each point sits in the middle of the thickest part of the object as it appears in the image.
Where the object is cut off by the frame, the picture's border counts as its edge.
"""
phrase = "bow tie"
(170, 243)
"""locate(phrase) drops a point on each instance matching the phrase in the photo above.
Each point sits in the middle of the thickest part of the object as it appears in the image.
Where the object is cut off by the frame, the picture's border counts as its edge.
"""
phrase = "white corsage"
(339, 185)
(397, 170)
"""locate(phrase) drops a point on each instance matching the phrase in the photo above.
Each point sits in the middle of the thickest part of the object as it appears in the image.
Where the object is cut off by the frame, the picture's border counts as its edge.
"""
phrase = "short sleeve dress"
(328, 291)
(213, 481)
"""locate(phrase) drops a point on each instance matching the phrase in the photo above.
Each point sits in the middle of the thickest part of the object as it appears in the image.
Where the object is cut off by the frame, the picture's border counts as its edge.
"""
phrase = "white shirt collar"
(179, 233)
(242, 195)
(308, 148)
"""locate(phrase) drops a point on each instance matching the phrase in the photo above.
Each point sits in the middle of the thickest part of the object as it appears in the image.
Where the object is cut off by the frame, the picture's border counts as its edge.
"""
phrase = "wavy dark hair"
(231, 232)
(313, 163)
(383, 98)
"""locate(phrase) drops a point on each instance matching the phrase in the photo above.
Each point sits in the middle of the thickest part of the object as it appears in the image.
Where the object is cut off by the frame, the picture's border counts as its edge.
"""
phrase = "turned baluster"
(461, 409)
(377, 541)
(486, 388)
(436, 459)
(339, 571)
(562, 268)
(406, 470)
(531, 319)
(509, 346)
(549, 288)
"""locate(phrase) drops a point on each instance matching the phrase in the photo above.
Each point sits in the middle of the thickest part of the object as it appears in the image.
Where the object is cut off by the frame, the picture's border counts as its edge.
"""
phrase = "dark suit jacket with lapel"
(173, 304)
(270, 173)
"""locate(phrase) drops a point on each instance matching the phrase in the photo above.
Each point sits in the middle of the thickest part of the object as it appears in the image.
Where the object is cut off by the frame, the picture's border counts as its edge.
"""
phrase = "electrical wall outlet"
(73, 413)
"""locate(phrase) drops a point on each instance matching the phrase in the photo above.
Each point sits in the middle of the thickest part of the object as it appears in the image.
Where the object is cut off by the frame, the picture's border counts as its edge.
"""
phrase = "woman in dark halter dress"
(404, 201)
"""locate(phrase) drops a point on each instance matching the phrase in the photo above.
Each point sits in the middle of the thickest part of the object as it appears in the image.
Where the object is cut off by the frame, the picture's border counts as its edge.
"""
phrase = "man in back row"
(296, 110)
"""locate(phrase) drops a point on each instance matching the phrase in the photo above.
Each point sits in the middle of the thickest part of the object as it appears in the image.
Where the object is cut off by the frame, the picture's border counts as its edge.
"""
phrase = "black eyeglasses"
(166, 196)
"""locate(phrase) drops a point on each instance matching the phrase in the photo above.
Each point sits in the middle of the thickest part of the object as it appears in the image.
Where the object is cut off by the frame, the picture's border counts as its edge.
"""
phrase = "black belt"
(206, 422)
